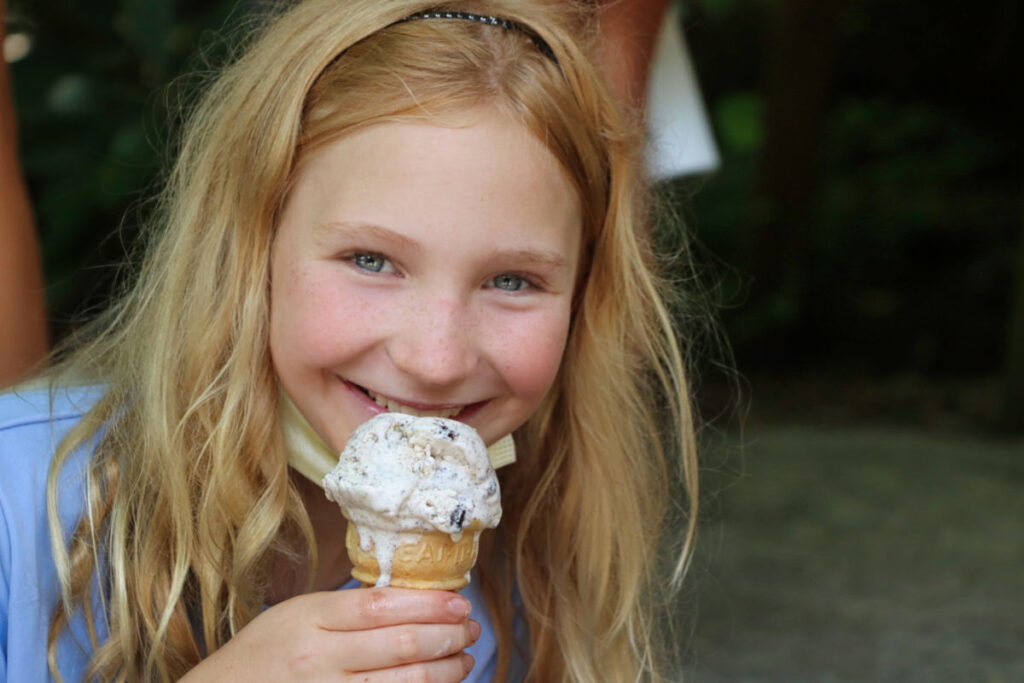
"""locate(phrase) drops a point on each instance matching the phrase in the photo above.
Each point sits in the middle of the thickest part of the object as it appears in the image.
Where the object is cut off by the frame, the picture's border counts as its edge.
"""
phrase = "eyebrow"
(358, 229)
(549, 259)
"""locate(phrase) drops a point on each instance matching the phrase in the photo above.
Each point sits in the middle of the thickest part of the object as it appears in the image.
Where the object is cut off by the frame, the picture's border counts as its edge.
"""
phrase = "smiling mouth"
(396, 407)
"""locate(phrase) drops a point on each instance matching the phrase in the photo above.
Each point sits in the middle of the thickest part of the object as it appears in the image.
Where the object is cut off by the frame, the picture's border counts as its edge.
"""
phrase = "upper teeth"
(396, 407)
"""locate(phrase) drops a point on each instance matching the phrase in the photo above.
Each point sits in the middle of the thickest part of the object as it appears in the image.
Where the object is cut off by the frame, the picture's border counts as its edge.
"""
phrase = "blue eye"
(509, 283)
(373, 263)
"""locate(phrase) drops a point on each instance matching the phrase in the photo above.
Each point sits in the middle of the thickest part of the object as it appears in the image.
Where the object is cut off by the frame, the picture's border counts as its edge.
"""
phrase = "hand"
(363, 635)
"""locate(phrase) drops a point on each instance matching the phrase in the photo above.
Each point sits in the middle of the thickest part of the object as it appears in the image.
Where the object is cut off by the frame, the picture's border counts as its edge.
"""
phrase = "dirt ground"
(834, 550)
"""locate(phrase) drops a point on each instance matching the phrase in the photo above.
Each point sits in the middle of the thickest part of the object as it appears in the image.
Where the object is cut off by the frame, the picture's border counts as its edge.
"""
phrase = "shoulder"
(34, 404)
(33, 421)
(34, 416)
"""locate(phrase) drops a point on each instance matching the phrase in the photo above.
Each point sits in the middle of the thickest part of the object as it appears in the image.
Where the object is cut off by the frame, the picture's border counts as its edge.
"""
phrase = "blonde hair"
(189, 497)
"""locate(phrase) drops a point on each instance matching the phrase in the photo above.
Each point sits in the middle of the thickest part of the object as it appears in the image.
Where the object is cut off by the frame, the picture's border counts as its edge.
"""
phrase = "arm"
(22, 306)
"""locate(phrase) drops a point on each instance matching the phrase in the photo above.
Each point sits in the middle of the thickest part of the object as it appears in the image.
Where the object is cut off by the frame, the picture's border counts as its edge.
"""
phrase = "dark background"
(862, 242)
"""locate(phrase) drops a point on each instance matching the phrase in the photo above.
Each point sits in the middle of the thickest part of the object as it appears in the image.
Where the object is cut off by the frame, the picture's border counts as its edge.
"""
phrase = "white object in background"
(16, 47)
(680, 141)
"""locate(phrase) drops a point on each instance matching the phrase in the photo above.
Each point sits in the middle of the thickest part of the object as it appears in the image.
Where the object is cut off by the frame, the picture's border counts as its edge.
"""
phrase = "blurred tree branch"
(803, 41)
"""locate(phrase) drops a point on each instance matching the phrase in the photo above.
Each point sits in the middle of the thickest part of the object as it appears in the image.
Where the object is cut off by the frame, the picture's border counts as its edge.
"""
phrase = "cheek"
(533, 353)
(307, 316)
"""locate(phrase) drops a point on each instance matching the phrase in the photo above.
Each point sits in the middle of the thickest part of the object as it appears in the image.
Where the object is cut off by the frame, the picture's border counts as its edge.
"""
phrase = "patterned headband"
(506, 24)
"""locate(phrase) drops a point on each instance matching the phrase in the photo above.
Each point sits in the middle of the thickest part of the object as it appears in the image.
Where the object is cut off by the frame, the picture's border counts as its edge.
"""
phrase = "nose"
(435, 342)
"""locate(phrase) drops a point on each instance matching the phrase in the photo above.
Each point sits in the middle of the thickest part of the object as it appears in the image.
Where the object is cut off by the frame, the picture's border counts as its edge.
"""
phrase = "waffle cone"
(435, 562)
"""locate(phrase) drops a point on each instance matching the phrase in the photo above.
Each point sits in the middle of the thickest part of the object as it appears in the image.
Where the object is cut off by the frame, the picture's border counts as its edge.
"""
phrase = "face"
(428, 270)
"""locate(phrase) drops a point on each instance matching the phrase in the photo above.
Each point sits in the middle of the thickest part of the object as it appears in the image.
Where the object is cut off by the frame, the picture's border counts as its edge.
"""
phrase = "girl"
(378, 206)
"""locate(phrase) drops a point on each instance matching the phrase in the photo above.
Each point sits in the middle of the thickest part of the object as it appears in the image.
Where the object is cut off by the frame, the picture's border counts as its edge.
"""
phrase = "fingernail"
(467, 662)
(459, 607)
(474, 630)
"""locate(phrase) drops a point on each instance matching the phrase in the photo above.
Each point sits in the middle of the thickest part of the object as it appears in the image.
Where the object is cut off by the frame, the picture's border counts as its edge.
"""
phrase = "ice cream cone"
(435, 562)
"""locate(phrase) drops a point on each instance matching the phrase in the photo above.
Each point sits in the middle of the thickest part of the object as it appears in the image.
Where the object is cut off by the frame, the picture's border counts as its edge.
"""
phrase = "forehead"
(482, 167)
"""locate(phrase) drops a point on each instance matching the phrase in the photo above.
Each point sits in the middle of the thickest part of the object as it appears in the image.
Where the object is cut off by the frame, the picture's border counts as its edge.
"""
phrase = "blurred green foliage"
(917, 208)
(94, 97)
(739, 119)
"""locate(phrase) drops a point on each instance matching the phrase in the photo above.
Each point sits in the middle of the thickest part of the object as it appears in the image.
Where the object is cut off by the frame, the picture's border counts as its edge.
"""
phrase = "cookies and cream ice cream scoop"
(417, 492)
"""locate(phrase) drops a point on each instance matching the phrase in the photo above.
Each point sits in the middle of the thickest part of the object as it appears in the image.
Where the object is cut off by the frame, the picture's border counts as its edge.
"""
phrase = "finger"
(408, 644)
(367, 608)
(448, 670)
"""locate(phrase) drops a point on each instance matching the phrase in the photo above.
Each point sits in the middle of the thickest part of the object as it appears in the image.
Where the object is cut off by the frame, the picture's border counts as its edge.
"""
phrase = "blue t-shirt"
(30, 429)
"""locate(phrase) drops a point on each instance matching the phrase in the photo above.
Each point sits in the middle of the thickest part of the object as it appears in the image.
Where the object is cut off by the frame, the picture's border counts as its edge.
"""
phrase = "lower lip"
(463, 415)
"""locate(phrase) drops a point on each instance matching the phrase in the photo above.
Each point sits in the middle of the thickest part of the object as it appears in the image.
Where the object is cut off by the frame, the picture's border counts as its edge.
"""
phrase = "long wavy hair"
(189, 499)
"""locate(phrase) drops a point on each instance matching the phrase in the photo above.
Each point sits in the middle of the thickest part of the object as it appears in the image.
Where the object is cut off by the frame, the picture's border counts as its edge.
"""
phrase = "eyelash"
(527, 282)
(357, 261)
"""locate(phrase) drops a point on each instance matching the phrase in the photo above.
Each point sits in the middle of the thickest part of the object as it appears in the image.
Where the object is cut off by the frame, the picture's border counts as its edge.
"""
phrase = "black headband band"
(506, 24)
